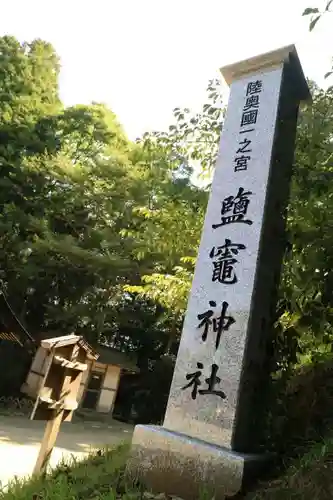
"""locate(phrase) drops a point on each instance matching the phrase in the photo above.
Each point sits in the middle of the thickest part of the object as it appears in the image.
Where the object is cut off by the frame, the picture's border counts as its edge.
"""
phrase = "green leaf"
(310, 10)
(314, 22)
(328, 5)
(328, 74)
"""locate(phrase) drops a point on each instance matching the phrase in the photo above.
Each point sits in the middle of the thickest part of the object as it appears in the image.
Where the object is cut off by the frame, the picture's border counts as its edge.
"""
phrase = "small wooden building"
(99, 384)
(23, 360)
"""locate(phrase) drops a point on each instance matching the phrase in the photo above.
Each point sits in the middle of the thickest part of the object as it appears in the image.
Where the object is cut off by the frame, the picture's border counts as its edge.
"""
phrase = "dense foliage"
(84, 210)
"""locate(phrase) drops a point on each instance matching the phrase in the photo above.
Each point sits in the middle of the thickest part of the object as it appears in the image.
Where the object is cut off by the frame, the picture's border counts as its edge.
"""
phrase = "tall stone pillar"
(212, 421)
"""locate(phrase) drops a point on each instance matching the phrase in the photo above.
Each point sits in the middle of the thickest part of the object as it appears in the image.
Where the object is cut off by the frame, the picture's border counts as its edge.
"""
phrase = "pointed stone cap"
(272, 59)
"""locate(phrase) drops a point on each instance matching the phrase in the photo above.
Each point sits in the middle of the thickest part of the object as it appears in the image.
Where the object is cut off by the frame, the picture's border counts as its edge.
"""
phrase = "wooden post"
(57, 393)
(52, 429)
(48, 442)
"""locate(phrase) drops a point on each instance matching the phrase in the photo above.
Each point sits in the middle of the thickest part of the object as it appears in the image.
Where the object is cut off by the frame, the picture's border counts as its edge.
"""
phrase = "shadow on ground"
(73, 437)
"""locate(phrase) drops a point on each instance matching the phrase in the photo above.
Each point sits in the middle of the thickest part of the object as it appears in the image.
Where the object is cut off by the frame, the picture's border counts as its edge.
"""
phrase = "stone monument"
(212, 421)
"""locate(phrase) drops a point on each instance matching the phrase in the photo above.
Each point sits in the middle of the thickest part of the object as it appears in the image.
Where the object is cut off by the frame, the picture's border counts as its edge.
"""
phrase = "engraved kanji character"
(217, 324)
(244, 146)
(249, 117)
(223, 267)
(251, 102)
(236, 208)
(241, 162)
(254, 87)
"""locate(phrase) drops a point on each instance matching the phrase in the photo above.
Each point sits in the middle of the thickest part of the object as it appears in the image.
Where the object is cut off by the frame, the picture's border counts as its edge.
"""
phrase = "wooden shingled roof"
(65, 340)
(111, 356)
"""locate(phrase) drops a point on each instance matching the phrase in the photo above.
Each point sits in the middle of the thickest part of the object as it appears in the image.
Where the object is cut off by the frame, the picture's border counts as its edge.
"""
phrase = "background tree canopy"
(99, 235)
(85, 211)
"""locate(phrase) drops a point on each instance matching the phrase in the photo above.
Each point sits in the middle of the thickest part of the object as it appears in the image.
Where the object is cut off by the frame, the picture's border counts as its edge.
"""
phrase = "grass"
(309, 477)
(101, 477)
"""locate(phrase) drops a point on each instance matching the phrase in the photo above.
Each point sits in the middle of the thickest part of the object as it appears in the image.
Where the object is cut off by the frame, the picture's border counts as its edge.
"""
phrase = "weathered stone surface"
(176, 464)
(209, 417)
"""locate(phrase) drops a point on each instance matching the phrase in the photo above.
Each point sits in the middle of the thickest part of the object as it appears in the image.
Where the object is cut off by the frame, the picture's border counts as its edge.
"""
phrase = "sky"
(145, 57)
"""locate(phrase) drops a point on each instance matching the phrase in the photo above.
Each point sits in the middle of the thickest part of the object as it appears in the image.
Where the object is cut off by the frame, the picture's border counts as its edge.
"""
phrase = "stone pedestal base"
(176, 464)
